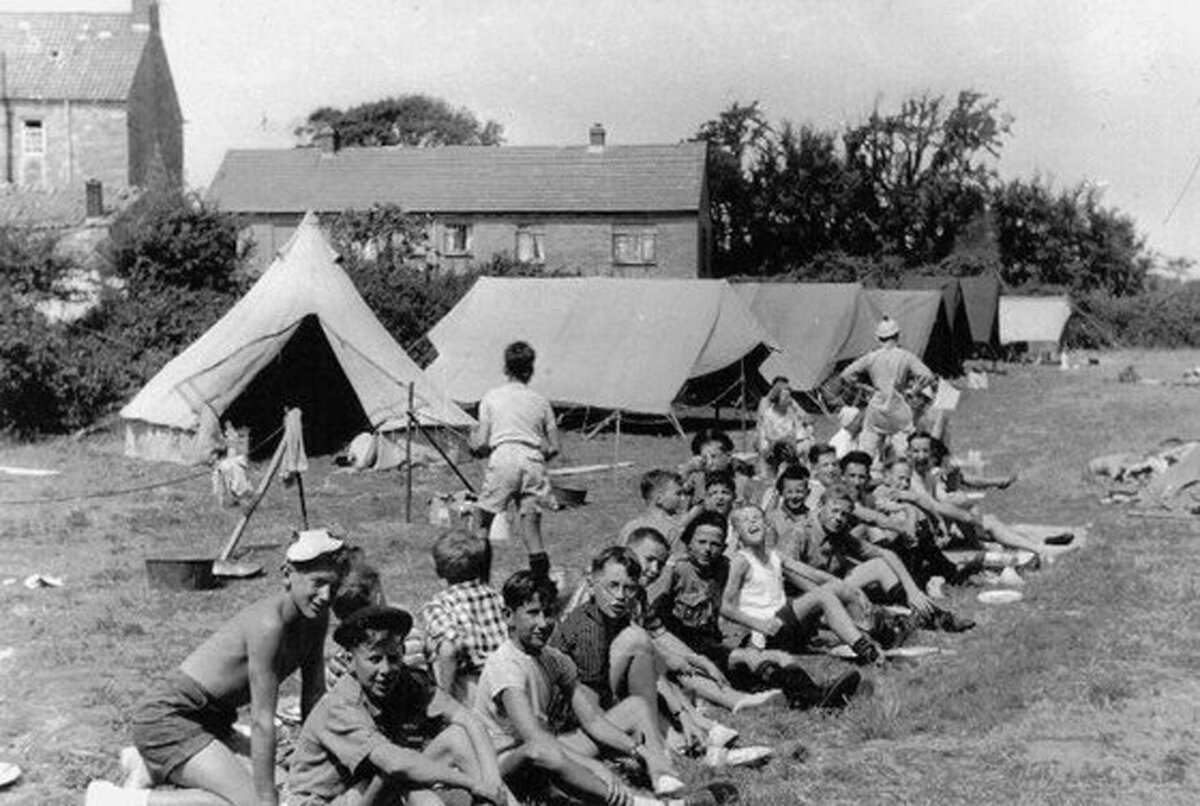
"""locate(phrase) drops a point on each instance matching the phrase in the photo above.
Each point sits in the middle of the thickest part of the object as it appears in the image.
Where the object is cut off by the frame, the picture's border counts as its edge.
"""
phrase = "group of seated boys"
(708, 598)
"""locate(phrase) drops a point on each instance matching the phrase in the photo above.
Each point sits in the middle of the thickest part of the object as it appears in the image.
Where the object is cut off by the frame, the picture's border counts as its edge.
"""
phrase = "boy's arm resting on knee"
(586, 704)
(803, 575)
(420, 771)
(264, 647)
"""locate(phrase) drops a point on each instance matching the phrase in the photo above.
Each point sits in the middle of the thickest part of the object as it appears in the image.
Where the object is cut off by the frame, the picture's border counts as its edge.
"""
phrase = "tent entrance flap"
(305, 375)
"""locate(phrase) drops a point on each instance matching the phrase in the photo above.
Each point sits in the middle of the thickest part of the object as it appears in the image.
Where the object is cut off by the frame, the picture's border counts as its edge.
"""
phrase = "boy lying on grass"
(931, 493)
(530, 698)
(609, 636)
(385, 734)
(183, 729)
(836, 551)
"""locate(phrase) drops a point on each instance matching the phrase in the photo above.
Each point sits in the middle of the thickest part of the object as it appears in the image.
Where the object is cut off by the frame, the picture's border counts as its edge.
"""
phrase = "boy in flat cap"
(183, 728)
(385, 733)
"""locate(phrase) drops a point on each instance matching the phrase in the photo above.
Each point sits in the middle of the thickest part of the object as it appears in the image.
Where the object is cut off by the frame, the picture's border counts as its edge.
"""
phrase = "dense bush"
(1168, 316)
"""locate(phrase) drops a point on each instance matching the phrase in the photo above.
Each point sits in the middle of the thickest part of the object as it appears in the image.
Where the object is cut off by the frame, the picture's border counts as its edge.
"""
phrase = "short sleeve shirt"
(470, 617)
(332, 751)
(688, 600)
(547, 679)
(585, 635)
(515, 413)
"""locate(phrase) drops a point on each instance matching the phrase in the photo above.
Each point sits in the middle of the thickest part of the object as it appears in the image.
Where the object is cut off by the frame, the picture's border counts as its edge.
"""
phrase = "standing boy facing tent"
(891, 370)
(516, 425)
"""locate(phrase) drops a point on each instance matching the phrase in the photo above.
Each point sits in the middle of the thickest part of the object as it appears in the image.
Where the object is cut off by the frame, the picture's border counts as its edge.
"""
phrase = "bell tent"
(300, 337)
(636, 346)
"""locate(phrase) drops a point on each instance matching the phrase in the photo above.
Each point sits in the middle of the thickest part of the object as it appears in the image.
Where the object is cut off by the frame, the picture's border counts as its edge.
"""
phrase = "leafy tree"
(736, 141)
(1067, 239)
(926, 167)
(403, 120)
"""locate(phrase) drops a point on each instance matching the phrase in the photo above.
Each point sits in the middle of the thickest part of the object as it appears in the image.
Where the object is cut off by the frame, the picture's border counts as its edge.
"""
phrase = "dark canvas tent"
(607, 343)
(960, 343)
(923, 326)
(815, 326)
(981, 299)
(301, 336)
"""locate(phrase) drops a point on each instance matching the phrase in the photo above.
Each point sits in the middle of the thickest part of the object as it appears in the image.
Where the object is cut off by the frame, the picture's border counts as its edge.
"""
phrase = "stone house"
(86, 96)
(596, 209)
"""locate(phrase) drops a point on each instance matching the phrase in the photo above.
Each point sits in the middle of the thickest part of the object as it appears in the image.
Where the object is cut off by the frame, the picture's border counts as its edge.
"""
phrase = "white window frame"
(536, 238)
(449, 236)
(634, 245)
(29, 126)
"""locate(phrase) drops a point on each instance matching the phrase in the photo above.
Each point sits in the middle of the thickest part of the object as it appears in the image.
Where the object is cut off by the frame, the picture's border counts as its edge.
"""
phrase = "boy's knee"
(545, 755)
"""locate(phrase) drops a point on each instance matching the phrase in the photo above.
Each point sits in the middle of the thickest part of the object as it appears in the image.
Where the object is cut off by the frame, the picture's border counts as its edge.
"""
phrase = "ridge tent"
(924, 330)
(981, 299)
(1036, 320)
(301, 336)
(815, 325)
(623, 345)
(960, 339)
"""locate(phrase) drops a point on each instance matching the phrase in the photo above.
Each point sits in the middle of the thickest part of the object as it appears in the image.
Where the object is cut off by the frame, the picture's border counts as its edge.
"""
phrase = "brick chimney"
(145, 15)
(596, 138)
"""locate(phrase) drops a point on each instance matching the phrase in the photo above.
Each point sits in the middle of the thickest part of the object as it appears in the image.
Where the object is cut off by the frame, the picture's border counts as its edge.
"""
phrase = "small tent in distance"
(301, 336)
(815, 325)
(1035, 321)
(636, 346)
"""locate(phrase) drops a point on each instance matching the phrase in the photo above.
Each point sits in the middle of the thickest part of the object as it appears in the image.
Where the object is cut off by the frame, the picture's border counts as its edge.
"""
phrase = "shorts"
(793, 635)
(177, 720)
(515, 472)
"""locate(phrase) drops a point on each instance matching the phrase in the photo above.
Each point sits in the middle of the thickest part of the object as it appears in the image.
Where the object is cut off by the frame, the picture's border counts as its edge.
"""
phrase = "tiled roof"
(85, 57)
(464, 179)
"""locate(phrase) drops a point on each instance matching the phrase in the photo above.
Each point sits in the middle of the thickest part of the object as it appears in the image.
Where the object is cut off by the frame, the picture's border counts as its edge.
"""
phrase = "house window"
(456, 239)
(634, 246)
(531, 245)
(34, 138)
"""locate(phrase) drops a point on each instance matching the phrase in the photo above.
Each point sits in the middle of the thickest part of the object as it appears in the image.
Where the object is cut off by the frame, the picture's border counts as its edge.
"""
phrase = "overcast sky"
(1100, 90)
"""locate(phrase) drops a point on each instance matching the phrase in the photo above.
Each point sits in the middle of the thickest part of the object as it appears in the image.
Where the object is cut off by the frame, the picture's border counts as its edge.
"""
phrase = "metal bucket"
(181, 573)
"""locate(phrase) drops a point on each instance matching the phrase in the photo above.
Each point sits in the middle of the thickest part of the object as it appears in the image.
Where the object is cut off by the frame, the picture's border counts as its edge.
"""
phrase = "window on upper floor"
(634, 245)
(531, 245)
(456, 239)
(33, 137)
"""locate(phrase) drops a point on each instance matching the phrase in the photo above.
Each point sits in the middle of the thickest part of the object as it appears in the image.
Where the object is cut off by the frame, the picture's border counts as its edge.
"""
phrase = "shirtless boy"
(183, 728)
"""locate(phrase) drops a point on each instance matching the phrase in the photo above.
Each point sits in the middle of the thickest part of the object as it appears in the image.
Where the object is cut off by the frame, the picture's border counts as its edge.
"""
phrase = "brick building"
(599, 209)
(86, 96)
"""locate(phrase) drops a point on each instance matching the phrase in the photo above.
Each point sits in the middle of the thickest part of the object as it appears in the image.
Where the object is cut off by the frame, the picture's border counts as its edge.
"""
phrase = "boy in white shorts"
(517, 429)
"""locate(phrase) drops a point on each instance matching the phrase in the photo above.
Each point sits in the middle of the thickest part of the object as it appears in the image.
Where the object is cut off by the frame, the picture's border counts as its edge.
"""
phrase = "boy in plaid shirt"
(464, 623)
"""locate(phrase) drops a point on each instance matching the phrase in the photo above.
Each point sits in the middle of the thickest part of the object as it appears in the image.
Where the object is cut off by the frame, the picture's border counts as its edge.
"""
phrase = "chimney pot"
(94, 196)
(596, 138)
(326, 139)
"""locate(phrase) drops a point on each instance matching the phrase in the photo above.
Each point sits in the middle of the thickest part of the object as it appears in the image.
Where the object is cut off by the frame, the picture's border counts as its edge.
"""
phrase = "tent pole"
(616, 450)
(408, 459)
(303, 503)
(678, 426)
(413, 422)
(272, 469)
(742, 369)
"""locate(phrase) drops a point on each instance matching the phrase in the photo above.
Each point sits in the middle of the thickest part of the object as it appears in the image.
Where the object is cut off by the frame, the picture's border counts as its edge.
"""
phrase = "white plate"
(1000, 596)
(8, 773)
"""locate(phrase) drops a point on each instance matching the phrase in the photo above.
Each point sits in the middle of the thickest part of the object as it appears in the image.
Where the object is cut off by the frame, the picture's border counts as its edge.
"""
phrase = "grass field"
(1088, 691)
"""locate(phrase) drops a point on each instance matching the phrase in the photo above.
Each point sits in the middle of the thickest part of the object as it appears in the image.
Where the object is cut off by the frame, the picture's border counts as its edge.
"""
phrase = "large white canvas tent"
(1038, 320)
(301, 336)
(606, 343)
(815, 325)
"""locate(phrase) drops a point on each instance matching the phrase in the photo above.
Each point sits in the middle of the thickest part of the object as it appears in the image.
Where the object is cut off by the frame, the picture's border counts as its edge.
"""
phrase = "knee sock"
(539, 564)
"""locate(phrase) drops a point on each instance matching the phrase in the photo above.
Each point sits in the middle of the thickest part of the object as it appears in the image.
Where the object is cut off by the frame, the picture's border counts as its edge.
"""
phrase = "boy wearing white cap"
(183, 728)
(892, 370)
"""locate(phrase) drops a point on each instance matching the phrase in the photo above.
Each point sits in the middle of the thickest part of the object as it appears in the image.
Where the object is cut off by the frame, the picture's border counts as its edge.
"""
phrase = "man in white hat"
(891, 370)
(183, 727)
